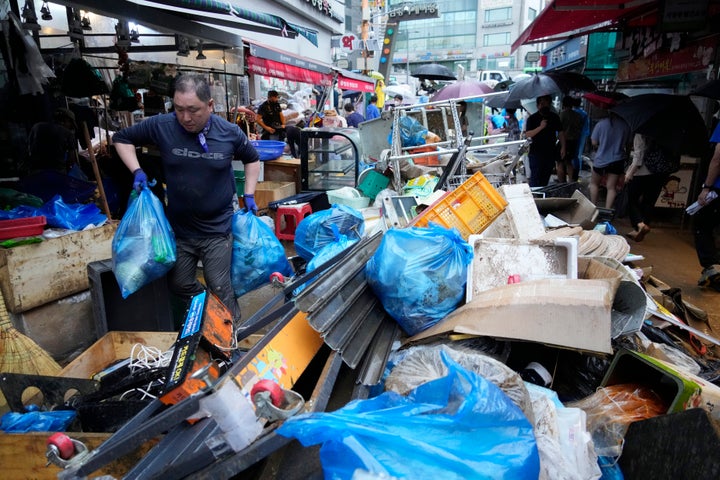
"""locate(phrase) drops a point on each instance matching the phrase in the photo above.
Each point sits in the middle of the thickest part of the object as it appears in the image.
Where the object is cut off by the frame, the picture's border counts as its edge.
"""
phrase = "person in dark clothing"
(572, 123)
(196, 149)
(293, 140)
(52, 145)
(271, 118)
(353, 118)
(707, 220)
(545, 129)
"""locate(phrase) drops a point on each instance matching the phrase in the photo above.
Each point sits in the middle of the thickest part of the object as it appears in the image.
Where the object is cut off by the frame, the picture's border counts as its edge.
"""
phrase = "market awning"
(349, 81)
(563, 19)
(264, 60)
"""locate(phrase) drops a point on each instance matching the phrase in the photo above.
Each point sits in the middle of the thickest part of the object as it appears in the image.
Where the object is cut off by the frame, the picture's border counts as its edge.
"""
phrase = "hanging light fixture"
(183, 46)
(28, 14)
(200, 55)
(85, 22)
(45, 10)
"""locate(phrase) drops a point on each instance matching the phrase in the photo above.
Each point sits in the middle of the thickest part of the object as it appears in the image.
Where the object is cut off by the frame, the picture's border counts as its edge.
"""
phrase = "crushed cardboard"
(559, 312)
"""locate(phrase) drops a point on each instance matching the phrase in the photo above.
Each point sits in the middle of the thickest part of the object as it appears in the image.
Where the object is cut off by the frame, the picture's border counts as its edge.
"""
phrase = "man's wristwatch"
(705, 185)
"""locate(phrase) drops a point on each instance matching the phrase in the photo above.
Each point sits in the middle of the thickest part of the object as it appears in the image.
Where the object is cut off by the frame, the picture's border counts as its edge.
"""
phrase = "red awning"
(562, 19)
(347, 83)
(271, 68)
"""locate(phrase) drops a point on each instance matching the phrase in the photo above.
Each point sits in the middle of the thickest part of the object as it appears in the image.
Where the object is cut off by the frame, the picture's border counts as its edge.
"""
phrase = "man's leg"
(706, 220)
(216, 256)
(611, 184)
(535, 171)
(182, 280)
(594, 186)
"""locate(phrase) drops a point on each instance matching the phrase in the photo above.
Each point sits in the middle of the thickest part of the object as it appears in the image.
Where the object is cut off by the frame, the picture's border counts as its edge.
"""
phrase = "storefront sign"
(281, 57)
(322, 6)
(694, 57)
(271, 68)
(413, 11)
(567, 52)
(683, 15)
(347, 83)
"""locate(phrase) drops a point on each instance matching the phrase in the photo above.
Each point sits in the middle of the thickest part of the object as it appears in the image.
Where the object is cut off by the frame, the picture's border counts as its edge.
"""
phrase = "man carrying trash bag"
(196, 150)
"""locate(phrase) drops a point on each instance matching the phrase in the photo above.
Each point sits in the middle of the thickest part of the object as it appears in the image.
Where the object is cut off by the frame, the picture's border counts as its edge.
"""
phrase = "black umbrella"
(501, 101)
(551, 83)
(710, 90)
(433, 71)
(671, 120)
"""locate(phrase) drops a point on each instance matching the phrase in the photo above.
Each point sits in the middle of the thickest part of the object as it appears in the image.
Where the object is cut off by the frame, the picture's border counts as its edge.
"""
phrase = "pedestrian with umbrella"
(572, 123)
(611, 137)
(643, 186)
(545, 130)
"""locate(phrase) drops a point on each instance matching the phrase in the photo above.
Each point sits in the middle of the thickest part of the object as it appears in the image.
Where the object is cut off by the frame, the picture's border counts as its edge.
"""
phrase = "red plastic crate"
(22, 227)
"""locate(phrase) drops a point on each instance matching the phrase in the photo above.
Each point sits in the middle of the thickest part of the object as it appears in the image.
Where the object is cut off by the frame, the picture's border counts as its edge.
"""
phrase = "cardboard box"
(267, 192)
(114, 346)
(558, 312)
(36, 274)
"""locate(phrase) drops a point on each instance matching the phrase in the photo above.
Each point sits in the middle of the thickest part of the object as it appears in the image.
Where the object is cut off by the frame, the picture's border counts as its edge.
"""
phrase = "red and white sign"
(345, 83)
(275, 69)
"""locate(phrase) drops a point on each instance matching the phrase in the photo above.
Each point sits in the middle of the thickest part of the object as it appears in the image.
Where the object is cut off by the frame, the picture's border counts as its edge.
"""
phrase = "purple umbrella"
(462, 89)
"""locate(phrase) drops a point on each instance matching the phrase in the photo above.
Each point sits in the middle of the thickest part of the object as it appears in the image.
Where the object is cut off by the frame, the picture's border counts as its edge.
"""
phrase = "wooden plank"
(33, 275)
(22, 455)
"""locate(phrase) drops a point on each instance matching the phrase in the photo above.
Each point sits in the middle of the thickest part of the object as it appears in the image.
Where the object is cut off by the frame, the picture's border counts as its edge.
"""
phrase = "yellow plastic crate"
(470, 208)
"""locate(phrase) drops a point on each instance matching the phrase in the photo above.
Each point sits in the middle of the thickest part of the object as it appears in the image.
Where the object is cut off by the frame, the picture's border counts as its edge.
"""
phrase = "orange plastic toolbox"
(470, 208)
(21, 227)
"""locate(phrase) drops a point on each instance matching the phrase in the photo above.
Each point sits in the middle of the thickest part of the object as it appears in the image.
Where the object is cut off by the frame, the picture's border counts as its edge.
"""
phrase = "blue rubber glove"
(140, 180)
(250, 202)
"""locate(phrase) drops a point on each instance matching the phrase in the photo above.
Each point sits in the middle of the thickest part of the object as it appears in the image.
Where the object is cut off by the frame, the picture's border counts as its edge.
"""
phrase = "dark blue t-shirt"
(354, 119)
(200, 185)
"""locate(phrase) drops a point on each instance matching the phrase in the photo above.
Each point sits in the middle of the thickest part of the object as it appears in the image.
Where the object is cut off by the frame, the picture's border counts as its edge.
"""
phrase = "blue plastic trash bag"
(58, 214)
(143, 248)
(256, 254)
(326, 253)
(419, 274)
(456, 427)
(75, 216)
(412, 132)
(316, 230)
(37, 421)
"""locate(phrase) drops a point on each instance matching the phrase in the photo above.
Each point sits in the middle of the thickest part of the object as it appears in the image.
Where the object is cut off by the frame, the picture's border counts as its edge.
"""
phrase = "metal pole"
(407, 59)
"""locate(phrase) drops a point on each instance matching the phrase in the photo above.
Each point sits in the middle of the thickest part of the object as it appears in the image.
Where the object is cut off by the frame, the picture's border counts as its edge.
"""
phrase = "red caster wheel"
(277, 278)
(276, 393)
(63, 443)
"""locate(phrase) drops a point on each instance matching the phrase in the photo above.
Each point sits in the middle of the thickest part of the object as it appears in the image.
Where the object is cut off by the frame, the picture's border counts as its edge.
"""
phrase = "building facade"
(473, 34)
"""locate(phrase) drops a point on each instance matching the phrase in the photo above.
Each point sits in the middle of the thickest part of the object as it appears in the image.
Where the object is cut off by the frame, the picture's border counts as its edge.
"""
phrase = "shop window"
(495, 39)
(498, 14)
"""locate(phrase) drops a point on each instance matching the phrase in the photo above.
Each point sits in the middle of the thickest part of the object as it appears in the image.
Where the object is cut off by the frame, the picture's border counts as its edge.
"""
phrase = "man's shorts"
(615, 168)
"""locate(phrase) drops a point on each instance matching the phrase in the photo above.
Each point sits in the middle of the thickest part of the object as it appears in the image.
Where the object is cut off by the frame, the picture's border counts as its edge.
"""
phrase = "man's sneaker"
(710, 277)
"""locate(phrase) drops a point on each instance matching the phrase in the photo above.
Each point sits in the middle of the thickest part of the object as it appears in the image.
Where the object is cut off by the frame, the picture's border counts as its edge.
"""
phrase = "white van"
(496, 75)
